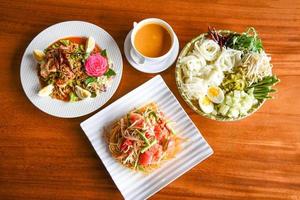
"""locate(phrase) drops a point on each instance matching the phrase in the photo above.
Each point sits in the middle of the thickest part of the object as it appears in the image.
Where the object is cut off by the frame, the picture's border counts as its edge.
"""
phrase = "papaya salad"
(226, 75)
(73, 69)
(142, 139)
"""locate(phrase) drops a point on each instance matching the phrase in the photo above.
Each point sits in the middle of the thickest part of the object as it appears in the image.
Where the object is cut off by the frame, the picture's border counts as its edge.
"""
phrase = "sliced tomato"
(160, 133)
(137, 119)
(156, 150)
(145, 158)
(157, 131)
(147, 135)
(125, 145)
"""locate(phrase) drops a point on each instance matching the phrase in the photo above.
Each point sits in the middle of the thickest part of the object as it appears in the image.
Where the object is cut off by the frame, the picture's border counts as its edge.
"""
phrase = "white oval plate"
(30, 81)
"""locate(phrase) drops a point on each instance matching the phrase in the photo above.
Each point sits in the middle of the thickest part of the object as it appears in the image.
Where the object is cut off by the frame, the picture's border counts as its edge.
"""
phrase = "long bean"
(149, 146)
(262, 89)
(143, 137)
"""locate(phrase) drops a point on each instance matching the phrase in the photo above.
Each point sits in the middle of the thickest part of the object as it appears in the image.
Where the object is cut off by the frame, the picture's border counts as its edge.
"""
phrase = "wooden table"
(44, 157)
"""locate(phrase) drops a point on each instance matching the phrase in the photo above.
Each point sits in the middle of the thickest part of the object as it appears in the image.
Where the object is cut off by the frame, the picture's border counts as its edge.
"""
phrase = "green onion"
(81, 47)
(149, 146)
(65, 42)
(56, 45)
(143, 137)
(152, 113)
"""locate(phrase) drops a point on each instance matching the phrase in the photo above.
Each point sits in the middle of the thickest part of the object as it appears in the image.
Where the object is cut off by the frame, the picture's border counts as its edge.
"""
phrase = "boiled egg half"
(215, 94)
(205, 104)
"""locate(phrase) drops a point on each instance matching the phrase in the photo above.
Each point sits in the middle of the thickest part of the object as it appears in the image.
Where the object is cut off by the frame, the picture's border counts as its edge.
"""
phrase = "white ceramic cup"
(142, 59)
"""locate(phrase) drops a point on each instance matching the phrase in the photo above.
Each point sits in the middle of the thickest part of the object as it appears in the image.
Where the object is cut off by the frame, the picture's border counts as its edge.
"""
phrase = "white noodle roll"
(209, 49)
(228, 59)
(215, 76)
(195, 88)
(192, 64)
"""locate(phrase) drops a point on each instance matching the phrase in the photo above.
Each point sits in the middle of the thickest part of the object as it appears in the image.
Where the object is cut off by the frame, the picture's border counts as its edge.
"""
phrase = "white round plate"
(151, 68)
(30, 80)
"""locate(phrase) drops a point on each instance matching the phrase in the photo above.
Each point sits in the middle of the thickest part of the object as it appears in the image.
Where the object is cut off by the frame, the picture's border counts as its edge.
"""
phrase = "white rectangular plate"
(135, 185)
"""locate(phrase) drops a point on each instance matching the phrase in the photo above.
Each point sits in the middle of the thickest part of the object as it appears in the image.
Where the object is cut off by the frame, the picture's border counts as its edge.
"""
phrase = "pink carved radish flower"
(96, 65)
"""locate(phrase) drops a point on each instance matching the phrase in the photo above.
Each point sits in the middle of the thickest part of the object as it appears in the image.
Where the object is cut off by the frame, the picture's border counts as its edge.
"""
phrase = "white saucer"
(151, 68)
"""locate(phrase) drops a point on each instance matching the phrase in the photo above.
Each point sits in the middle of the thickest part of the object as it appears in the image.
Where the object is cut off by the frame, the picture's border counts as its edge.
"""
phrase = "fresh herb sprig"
(247, 41)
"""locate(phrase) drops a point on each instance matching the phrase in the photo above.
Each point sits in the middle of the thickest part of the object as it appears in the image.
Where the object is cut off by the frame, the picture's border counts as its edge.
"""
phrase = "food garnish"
(96, 65)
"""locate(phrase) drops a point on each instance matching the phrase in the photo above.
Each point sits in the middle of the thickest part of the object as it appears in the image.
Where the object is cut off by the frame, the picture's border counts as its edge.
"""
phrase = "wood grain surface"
(43, 157)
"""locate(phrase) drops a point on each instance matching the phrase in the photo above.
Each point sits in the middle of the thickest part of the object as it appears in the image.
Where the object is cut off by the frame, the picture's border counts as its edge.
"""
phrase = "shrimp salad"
(73, 69)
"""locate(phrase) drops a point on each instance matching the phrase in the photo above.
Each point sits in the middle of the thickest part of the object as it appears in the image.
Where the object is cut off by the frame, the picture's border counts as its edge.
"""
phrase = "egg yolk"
(205, 101)
(213, 91)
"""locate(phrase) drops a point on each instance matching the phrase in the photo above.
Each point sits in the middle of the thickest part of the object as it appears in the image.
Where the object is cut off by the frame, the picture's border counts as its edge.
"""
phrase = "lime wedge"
(82, 93)
(46, 91)
(90, 44)
(38, 55)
